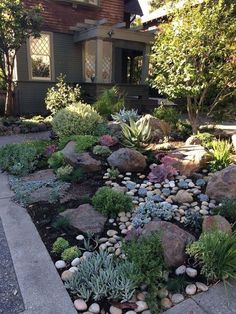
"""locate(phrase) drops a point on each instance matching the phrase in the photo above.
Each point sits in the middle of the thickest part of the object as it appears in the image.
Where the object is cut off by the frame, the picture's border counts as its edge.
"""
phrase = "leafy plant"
(220, 154)
(56, 160)
(111, 202)
(113, 173)
(124, 116)
(101, 150)
(102, 277)
(108, 140)
(77, 119)
(136, 134)
(227, 209)
(216, 254)
(164, 171)
(70, 253)
(85, 142)
(109, 102)
(145, 212)
(64, 172)
(177, 284)
(168, 114)
(61, 223)
(184, 128)
(60, 245)
(194, 220)
(206, 139)
(61, 95)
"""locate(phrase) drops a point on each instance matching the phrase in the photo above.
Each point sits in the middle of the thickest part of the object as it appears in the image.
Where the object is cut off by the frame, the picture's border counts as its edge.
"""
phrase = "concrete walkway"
(40, 285)
(19, 138)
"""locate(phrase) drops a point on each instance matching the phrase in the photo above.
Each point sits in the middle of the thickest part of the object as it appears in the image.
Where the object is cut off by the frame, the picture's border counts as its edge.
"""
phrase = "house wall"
(67, 57)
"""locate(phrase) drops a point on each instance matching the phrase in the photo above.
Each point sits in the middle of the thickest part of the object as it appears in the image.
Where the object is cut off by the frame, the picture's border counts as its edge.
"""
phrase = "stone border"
(41, 287)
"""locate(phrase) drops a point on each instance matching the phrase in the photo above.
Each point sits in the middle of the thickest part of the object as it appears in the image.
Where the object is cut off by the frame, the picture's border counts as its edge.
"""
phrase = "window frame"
(52, 70)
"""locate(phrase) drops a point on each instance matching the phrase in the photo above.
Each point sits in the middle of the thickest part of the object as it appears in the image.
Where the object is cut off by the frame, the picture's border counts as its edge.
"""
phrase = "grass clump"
(60, 245)
(220, 154)
(70, 253)
(110, 202)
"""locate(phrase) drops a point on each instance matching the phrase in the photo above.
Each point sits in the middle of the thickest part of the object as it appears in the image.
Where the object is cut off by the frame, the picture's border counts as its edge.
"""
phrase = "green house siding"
(67, 59)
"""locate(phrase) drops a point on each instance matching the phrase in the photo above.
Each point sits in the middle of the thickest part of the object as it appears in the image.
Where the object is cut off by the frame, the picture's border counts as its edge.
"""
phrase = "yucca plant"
(216, 254)
(136, 134)
(220, 153)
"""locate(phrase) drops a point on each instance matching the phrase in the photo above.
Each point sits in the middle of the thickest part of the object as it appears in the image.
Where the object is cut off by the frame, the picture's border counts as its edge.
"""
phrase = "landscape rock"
(191, 272)
(177, 298)
(233, 138)
(222, 184)
(60, 264)
(66, 275)
(85, 218)
(193, 140)
(189, 159)
(115, 310)
(141, 306)
(80, 305)
(201, 287)
(174, 241)
(180, 270)
(218, 222)
(166, 303)
(191, 289)
(94, 308)
(183, 197)
(126, 159)
(41, 175)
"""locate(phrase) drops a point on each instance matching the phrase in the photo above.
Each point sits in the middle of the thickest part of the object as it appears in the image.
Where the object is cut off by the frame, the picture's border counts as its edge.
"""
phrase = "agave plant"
(123, 116)
(136, 134)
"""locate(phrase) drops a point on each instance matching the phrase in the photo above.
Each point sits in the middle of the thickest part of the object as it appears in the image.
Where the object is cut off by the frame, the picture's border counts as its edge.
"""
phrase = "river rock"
(218, 222)
(80, 305)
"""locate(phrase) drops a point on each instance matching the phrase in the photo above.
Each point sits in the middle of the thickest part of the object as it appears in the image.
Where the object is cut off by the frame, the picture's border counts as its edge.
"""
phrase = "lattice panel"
(90, 66)
(40, 46)
(106, 69)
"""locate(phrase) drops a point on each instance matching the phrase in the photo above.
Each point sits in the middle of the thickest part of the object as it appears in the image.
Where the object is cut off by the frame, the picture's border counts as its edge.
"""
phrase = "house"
(89, 41)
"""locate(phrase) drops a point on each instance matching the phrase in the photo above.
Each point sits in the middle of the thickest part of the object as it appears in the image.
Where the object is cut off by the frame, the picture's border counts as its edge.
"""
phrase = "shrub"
(146, 254)
(101, 150)
(77, 119)
(184, 128)
(102, 277)
(61, 95)
(206, 139)
(111, 202)
(56, 160)
(60, 245)
(64, 172)
(113, 173)
(227, 209)
(124, 116)
(85, 142)
(220, 154)
(216, 254)
(109, 102)
(70, 253)
(168, 114)
(21, 159)
(136, 134)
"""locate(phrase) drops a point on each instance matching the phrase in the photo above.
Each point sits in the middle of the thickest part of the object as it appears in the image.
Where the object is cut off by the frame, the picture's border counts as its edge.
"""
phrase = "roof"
(133, 7)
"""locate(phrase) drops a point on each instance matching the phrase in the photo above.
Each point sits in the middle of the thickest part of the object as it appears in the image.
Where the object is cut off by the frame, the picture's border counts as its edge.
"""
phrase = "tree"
(156, 4)
(17, 23)
(194, 53)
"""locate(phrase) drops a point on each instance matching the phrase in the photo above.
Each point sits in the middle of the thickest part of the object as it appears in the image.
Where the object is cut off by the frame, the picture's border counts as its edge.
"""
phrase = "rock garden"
(137, 214)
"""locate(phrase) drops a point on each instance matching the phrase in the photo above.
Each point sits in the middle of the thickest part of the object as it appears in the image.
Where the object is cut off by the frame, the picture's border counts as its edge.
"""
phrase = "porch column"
(99, 60)
(145, 65)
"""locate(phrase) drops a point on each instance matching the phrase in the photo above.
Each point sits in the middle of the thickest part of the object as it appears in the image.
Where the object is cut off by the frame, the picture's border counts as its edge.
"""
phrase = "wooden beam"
(119, 25)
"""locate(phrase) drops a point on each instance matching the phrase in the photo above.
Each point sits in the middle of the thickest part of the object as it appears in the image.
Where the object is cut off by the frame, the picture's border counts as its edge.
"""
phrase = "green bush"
(103, 277)
(61, 95)
(56, 160)
(111, 202)
(227, 209)
(146, 254)
(64, 172)
(220, 154)
(60, 245)
(216, 254)
(184, 128)
(21, 159)
(101, 150)
(206, 139)
(168, 114)
(77, 119)
(83, 142)
(70, 253)
(109, 102)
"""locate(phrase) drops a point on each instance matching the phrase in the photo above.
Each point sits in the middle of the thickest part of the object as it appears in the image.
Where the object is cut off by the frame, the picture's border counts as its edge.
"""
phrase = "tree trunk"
(9, 98)
(193, 115)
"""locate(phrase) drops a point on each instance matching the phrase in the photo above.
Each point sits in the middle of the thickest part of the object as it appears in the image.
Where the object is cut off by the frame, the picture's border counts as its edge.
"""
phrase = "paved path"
(19, 138)
(40, 285)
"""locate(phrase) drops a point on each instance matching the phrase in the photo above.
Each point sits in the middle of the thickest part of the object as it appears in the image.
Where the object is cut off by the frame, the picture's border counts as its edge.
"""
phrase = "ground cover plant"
(227, 209)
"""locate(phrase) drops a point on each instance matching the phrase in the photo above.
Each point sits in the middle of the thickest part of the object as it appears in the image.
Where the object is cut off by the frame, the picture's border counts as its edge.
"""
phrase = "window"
(92, 2)
(40, 53)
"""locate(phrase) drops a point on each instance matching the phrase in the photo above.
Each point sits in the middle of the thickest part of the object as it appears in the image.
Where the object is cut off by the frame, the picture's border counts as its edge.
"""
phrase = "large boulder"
(193, 140)
(126, 159)
(189, 159)
(222, 184)
(85, 218)
(83, 160)
(174, 241)
(211, 223)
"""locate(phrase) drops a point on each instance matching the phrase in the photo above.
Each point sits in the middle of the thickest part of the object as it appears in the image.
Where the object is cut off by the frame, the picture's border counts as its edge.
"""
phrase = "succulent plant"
(108, 140)
(124, 116)
(164, 171)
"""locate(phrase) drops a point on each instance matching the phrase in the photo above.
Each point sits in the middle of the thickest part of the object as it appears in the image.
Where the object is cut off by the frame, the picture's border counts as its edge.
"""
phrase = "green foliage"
(168, 114)
(124, 116)
(216, 254)
(227, 209)
(56, 160)
(193, 53)
(184, 128)
(177, 284)
(85, 142)
(103, 277)
(101, 150)
(109, 102)
(61, 223)
(64, 172)
(113, 173)
(60, 245)
(77, 119)
(70, 253)
(61, 95)
(110, 202)
(136, 134)
(206, 139)
(220, 154)
(21, 159)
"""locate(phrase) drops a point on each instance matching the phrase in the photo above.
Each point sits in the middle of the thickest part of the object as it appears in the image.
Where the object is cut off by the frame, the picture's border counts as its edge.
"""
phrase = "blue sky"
(144, 5)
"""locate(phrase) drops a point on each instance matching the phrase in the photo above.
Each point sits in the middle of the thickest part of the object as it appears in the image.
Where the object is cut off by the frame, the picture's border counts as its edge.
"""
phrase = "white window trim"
(52, 72)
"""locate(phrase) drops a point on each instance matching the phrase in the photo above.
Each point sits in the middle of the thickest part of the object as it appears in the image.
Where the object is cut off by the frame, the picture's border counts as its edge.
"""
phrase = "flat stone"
(85, 218)
(186, 307)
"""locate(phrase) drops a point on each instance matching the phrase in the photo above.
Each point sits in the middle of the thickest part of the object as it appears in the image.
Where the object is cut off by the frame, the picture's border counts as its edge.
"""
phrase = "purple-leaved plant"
(164, 171)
